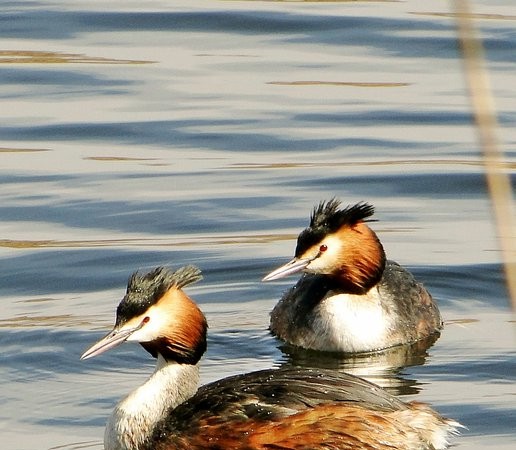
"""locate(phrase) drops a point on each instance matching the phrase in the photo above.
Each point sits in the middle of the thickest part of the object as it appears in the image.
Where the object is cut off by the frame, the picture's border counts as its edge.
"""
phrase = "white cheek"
(151, 330)
(317, 265)
(326, 260)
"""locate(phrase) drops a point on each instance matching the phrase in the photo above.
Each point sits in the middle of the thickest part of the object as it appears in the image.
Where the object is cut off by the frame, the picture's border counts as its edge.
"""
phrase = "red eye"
(323, 248)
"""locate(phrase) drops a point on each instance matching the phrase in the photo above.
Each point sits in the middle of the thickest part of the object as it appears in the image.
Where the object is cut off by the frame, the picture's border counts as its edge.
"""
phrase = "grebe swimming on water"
(270, 409)
(350, 298)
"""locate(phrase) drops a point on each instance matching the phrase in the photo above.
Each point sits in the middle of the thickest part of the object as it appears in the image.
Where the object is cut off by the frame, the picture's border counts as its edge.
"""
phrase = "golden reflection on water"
(40, 57)
(476, 16)
(139, 242)
(226, 55)
(338, 83)
(149, 162)
(399, 162)
(51, 243)
(330, 1)
(23, 150)
(116, 158)
(60, 320)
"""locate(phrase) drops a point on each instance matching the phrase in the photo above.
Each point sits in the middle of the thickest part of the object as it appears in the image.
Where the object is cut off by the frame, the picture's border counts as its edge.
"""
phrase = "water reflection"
(48, 57)
(470, 15)
(369, 84)
(23, 150)
(136, 134)
(384, 368)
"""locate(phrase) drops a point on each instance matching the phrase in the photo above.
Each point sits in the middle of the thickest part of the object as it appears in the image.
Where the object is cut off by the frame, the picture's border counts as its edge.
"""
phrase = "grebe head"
(156, 313)
(338, 243)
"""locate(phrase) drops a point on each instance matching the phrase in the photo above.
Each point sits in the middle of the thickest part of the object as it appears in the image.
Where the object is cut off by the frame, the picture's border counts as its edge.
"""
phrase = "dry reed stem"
(497, 176)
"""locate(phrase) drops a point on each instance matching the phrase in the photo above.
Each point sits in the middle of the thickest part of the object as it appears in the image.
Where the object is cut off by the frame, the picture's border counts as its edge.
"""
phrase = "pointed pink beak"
(111, 340)
(294, 266)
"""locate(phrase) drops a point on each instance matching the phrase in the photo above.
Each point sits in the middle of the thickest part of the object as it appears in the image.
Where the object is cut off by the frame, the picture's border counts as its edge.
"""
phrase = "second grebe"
(282, 409)
(350, 299)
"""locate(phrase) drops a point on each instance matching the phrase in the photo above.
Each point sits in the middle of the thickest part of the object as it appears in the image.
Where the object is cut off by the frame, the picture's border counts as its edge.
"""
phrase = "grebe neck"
(134, 418)
(361, 263)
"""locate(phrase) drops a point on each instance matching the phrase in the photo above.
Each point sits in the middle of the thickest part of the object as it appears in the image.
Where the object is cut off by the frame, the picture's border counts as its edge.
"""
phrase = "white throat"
(135, 416)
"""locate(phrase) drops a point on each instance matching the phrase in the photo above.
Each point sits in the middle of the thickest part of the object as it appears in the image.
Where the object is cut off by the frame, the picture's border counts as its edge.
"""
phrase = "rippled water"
(140, 134)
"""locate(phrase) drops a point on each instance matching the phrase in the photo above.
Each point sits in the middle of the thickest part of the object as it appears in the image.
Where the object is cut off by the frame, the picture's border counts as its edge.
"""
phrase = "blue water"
(134, 135)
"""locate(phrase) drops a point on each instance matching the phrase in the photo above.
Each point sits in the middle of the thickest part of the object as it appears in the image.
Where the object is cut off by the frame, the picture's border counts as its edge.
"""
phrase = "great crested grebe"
(281, 409)
(350, 299)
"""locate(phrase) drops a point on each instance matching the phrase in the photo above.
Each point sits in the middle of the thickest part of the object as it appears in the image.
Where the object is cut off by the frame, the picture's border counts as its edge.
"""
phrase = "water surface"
(203, 132)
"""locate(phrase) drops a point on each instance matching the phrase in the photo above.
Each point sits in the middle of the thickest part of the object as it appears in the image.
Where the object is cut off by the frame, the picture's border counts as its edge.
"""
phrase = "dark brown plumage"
(293, 408)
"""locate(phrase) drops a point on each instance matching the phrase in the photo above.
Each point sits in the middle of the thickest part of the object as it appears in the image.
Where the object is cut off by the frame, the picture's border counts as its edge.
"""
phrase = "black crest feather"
(144, 290)
(327, 217)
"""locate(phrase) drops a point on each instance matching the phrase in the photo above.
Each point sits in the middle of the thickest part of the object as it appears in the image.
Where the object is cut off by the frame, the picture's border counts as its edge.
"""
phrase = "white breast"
(351, 323)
